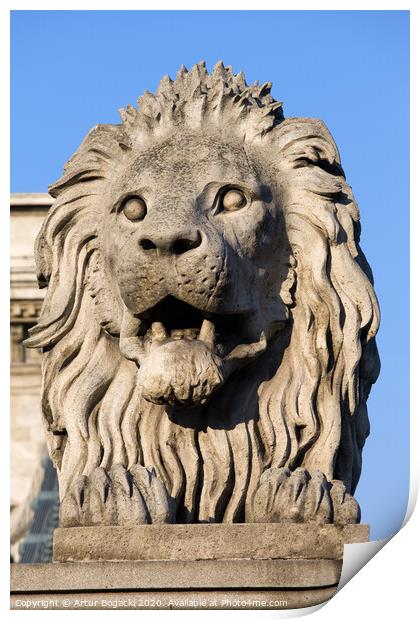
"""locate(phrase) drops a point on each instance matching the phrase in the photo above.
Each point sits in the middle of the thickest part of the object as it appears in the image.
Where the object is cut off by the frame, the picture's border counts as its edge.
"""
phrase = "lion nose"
(171, 243)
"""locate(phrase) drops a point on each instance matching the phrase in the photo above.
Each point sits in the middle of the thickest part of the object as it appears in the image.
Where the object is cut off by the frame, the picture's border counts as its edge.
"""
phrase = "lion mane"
(302, 404)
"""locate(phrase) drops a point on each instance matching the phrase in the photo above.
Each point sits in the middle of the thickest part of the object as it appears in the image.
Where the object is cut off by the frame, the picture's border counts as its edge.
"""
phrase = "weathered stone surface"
(208, 332)
(221, 583)
(205, 542)
(167, 574)
(193, 599)
(169, 566)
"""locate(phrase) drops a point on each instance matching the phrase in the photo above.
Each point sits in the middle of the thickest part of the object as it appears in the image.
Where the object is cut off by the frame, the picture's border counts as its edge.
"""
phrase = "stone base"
(211, 566)
(209, 541)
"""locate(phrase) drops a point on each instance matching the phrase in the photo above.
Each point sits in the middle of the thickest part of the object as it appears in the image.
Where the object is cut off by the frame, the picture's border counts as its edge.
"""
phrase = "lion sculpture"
(208, 332)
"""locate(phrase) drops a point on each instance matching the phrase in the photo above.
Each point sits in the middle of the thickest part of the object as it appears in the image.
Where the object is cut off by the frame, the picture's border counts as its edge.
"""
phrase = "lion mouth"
(183, 353)
(175, 319)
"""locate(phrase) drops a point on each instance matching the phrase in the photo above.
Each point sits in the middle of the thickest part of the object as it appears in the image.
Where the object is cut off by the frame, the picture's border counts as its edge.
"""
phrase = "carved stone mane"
(208, 332)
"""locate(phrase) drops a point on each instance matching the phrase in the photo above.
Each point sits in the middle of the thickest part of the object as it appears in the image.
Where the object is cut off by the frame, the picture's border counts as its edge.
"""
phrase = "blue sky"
(73, 69)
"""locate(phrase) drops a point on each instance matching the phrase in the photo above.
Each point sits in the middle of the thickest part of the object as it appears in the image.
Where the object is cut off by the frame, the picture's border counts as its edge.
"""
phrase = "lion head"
(209, 311)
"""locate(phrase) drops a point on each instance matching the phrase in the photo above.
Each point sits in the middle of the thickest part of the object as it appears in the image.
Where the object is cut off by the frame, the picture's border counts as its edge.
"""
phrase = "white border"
(387, 586)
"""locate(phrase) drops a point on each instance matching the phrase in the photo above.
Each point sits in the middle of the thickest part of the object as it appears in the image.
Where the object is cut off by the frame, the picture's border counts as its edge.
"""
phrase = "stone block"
(201, 566)
(213, 541)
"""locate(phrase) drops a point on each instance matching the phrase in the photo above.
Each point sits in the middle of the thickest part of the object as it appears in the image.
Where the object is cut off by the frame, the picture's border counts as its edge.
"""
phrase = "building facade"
(33, 501)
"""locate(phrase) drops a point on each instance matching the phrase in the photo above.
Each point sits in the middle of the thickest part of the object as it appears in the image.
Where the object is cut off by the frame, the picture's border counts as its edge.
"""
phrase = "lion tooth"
(130, 344)
(158, 331)
(130, 325)
(207, 333)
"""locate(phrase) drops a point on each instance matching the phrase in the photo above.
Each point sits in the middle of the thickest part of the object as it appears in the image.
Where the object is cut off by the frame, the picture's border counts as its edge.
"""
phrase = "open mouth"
(186, 373)
(177, 320)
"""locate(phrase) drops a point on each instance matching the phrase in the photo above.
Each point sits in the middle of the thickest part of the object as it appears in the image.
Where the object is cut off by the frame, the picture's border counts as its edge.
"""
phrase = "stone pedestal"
(207, 566)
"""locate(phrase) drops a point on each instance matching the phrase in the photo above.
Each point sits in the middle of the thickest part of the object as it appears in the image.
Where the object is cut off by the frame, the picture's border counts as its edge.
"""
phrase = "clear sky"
(73, 69)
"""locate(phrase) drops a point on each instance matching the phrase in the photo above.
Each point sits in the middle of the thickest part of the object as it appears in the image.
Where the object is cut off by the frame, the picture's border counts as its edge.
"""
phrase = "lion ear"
(102, 145)
(307, 141)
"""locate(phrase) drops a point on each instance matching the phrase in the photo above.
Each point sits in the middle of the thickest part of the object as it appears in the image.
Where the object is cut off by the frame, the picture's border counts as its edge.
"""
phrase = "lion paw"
(302, 497)
(346, 508)
(117, 497)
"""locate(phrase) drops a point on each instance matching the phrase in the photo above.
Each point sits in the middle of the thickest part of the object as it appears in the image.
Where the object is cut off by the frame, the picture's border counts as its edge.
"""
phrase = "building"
(33, 501)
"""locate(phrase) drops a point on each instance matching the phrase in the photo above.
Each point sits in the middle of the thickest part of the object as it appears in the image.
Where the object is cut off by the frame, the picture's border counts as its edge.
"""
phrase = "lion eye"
(134, 209)
(233, 200)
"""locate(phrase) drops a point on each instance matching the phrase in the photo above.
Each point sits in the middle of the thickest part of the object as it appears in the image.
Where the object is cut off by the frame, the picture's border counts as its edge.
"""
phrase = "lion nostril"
(172, 244)
(180, 246)
(147, 244)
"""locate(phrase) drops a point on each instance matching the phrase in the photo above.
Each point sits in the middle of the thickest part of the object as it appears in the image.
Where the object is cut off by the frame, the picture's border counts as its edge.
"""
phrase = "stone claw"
(117, 497)
(301, 496)
(346, 508)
